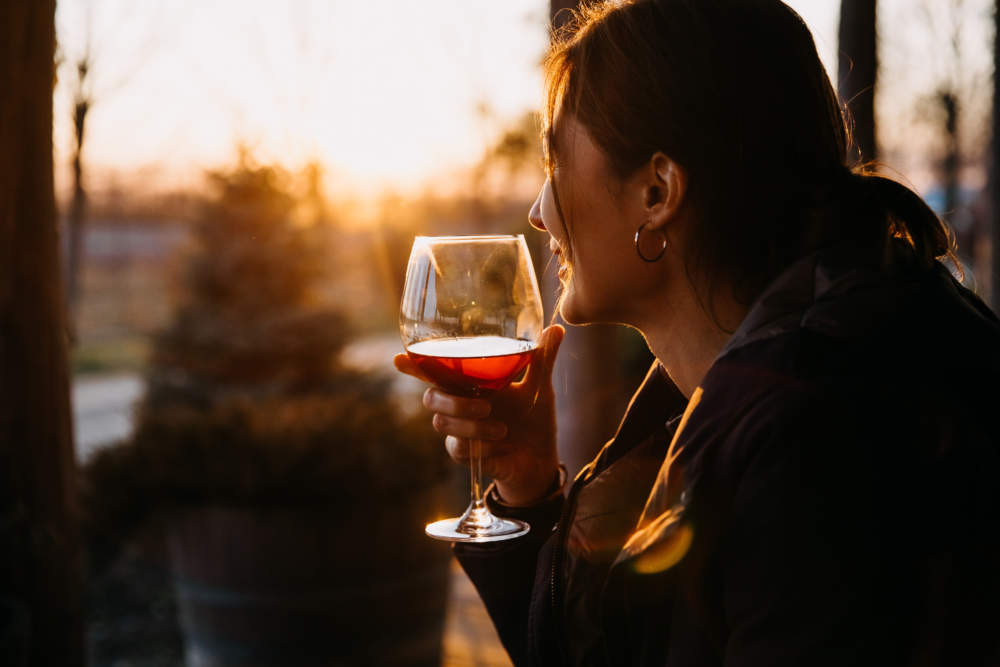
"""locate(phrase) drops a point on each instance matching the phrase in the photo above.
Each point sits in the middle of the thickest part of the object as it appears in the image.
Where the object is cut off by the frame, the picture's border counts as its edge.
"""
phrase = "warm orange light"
(382, 94)
(663, 555)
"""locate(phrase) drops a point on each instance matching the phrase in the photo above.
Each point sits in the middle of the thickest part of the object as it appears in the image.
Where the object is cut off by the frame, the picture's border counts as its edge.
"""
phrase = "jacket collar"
(810, 294)
(655, 404)
(848, 291)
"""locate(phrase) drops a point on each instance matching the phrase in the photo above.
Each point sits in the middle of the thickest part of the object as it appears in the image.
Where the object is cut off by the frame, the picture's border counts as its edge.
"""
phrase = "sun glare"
(386, 96)
(383, 94)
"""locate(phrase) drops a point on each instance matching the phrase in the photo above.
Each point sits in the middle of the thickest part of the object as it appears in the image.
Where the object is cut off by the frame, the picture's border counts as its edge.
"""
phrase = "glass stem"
(476, 472)
(477, 519)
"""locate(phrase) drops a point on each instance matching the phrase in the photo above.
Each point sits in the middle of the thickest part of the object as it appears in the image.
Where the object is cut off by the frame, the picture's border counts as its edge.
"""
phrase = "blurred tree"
(82, 100)
(40, 584)
(858, 71)
(957, 115)
(946, 100)
(250, 318)
(315, 207)
(511, 166)
(84, 94)
(248, 378)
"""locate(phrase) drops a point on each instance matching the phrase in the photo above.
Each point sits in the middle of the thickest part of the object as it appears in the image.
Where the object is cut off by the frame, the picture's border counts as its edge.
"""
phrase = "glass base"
(452, 530)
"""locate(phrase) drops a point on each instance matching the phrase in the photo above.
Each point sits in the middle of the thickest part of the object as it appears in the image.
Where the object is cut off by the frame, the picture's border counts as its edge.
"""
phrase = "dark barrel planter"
(309, 586)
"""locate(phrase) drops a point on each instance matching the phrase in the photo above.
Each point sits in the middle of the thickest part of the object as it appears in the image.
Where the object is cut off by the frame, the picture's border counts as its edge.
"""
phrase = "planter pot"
(15, 632)
(310, 586)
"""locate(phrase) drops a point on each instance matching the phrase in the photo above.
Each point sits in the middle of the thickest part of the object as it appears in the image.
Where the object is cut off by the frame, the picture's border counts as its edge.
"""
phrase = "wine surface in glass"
(471, 366)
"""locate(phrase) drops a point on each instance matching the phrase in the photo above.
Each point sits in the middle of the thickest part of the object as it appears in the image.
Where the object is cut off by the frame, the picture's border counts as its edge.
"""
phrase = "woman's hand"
(516, 425)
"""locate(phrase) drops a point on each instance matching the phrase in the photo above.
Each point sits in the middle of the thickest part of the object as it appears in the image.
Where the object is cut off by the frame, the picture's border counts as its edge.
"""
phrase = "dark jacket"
(832, 499)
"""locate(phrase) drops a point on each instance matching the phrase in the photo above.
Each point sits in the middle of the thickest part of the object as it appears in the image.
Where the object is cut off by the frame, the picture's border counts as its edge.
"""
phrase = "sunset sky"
(385, 94)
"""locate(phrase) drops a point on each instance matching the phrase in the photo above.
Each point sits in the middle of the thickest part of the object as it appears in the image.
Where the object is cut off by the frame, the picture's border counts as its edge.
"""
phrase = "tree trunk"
(858, 69)
(587, 376)
(949, 104)
(77, 212)
(994, 282)
(39, 545)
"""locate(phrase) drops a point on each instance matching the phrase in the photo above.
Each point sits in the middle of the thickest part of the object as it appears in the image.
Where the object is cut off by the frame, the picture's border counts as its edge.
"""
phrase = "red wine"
(471, 366)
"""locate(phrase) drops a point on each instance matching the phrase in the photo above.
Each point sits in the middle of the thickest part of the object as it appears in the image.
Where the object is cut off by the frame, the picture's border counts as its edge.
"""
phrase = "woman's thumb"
(541, 367)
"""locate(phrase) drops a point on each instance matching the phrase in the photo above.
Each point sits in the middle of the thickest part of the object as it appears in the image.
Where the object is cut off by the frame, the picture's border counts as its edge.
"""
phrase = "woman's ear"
(666, 188)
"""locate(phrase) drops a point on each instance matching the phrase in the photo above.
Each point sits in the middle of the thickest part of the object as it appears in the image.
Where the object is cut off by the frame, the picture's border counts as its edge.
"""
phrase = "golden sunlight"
(384, 95)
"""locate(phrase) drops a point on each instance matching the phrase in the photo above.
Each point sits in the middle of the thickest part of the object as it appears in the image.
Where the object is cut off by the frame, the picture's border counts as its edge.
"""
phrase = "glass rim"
(467, 238)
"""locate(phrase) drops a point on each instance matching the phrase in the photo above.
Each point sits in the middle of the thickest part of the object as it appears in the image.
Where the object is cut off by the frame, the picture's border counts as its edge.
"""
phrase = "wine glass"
(470, 319)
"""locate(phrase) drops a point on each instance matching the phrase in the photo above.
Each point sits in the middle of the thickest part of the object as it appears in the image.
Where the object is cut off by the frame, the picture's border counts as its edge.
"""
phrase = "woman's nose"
(535, 214)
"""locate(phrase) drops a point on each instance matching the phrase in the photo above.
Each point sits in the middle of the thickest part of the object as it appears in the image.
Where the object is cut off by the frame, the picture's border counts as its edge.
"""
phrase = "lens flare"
(664, 554)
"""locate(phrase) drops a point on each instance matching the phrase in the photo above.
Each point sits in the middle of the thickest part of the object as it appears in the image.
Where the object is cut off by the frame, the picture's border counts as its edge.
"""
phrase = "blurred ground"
(102, 410)
(469, 637)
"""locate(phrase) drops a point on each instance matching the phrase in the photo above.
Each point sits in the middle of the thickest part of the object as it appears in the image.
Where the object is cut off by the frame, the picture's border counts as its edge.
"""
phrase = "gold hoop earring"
(638, 248)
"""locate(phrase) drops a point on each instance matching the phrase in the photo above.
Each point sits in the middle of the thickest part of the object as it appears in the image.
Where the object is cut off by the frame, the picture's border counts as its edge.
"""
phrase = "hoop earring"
(638, 249)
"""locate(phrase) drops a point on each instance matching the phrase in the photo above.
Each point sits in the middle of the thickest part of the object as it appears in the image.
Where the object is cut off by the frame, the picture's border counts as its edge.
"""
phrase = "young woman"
(807, 476)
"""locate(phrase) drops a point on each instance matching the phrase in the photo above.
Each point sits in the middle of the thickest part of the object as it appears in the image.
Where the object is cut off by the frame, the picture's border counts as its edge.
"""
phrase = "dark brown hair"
(734, 91)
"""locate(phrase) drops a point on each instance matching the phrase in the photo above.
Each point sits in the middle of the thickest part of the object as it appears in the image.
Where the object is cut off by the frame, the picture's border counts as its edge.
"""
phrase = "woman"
(807, 474)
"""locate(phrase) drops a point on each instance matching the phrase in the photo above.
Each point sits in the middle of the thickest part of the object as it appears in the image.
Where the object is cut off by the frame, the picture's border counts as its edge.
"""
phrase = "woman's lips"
(557, 253)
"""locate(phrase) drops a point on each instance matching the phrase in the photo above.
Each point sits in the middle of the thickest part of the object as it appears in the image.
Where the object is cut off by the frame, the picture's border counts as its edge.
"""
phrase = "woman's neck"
(686, 340)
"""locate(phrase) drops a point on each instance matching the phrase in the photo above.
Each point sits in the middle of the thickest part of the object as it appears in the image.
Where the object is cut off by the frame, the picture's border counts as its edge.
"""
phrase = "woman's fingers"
(458, 448)
(436, 400)
(482, 429)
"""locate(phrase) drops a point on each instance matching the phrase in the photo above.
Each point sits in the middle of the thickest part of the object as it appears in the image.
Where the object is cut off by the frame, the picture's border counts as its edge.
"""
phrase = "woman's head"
(734, 93)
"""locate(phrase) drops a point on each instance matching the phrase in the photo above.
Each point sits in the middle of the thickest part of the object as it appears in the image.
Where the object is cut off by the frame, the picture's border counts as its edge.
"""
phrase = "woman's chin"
(569, 308)
(576, 310)
(569, 318)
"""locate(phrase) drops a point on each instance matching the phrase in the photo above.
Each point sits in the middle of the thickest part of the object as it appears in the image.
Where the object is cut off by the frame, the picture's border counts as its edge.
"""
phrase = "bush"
(248, 402)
